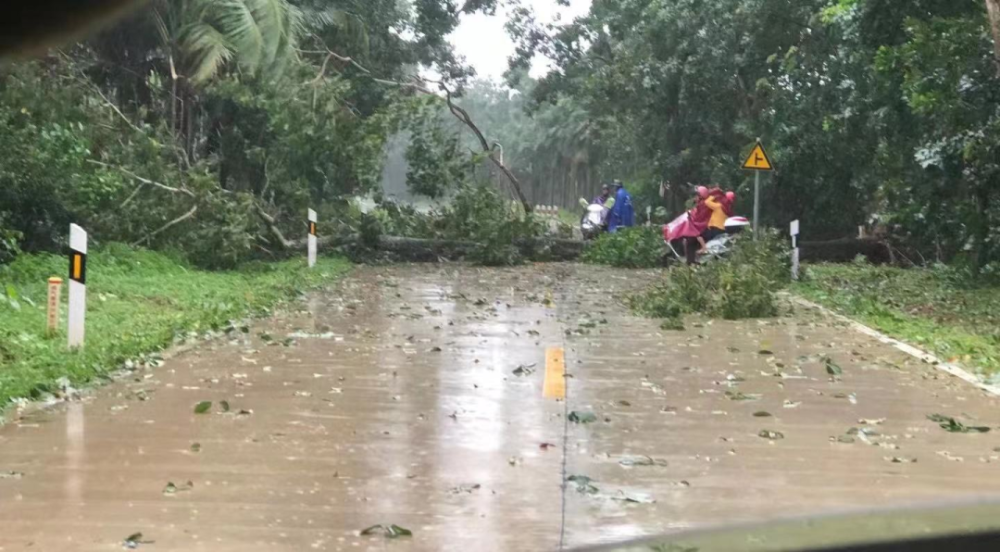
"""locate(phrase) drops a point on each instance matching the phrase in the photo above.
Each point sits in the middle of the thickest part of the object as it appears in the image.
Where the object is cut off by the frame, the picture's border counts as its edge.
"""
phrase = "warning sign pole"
(758, 162)
(756, 204)
(77, 285)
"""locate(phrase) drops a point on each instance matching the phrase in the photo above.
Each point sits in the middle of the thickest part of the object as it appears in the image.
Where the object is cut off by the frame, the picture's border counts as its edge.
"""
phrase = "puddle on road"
(394, 401)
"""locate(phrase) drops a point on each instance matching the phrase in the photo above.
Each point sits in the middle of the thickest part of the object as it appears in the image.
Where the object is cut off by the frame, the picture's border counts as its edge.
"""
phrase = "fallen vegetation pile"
(740, 286)
(477, 225)
(637, 247)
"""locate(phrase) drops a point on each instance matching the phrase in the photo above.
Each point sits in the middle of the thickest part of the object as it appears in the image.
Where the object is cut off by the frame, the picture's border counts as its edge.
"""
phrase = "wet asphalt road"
(392, 399)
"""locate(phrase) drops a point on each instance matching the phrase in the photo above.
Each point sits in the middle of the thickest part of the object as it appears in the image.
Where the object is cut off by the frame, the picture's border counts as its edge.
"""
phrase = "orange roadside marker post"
(55, 293)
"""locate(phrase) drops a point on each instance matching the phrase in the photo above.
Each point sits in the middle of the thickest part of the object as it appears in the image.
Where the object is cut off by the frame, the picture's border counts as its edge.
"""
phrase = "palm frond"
(287, 50)
(271, 17)
(235, 19)
(206, 50)
(259, 36)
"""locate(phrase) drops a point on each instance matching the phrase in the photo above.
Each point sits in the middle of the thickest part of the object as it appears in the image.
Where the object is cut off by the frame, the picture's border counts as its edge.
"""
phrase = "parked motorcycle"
(681, 228)
(594, 221)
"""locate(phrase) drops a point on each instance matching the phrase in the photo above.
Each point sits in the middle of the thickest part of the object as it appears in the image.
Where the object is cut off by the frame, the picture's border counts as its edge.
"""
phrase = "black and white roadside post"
(794, 231)
(312, 238)
(77, 285)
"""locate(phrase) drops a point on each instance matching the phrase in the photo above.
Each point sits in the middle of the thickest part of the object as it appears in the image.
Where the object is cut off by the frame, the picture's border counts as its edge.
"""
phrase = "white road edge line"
(948, 368)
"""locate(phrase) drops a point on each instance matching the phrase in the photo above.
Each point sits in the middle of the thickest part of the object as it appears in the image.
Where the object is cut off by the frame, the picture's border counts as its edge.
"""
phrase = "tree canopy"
(209, 125)
(874, 111)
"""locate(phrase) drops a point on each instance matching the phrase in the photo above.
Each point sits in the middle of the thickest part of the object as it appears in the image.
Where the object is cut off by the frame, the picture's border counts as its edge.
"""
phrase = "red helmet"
(702, 192)
(731, 196)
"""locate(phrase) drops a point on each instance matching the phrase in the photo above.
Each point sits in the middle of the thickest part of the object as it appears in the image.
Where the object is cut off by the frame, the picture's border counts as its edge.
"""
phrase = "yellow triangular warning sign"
(758, 160)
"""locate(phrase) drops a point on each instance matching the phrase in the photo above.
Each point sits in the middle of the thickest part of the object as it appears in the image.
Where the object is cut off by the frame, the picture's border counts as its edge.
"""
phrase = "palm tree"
(204, 38)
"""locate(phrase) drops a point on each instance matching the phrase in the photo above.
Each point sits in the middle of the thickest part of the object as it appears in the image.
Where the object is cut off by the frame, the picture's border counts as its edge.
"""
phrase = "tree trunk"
(173, 97)
(189, 123)
(993, 11)
(982, 227)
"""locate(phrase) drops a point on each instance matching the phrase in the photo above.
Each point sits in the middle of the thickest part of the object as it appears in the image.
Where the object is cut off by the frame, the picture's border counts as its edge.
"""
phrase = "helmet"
(731, 196)
(702, 192)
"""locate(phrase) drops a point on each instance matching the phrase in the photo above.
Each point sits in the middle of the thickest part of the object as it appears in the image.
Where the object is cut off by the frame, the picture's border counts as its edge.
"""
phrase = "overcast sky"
(485, 45)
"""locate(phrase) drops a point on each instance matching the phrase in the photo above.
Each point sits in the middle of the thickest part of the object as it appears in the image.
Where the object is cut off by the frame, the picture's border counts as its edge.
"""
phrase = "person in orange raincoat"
(716, 203)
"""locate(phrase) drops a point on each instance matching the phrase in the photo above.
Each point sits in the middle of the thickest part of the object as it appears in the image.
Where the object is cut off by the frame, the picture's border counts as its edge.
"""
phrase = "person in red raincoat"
(689, 227)
(697, 222)
(727, 204)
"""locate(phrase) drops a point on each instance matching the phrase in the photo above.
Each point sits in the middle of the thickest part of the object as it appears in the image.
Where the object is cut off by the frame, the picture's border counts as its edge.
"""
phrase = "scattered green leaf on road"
(954, 426)
(629, 461)
(134, 540)
(584, 484)
(832, 367)
(524, 370)
(740, 396)
(634, 498)
(203, 407)
(388, 531)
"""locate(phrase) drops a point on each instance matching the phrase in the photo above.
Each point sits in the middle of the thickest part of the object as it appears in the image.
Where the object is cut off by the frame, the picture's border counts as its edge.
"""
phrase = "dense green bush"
(9, 243)
(637, 247)
(740, 286)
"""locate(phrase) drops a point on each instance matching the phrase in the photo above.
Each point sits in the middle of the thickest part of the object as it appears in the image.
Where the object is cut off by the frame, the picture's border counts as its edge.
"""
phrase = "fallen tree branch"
(167, 226)
(272, 227)
(127, 172)
(132, 195)
(457, 111)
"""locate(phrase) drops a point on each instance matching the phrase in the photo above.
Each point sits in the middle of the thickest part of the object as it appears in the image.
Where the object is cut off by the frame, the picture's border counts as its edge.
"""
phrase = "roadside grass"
(137, 302)
(925, 307)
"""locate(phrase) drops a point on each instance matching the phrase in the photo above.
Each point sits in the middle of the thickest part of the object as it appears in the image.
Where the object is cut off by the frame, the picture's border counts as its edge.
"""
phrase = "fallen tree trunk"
(846, 250)
(426, 250)
(430, 250)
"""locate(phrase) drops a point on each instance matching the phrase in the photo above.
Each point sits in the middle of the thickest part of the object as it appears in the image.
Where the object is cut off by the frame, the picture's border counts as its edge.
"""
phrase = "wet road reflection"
(393, 399)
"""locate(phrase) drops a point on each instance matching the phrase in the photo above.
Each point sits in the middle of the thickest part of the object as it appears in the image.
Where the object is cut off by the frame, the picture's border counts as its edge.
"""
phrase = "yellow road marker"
(555, 374)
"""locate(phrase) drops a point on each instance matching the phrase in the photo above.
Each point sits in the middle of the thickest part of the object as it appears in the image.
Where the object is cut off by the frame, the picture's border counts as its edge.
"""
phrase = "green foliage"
(258, 35)
(138, 302)
(740, 286)
(875, 113)
(9, 243)
(204, 126)
(437, 165)
(636, 247)
(478, 213)
(939, 309)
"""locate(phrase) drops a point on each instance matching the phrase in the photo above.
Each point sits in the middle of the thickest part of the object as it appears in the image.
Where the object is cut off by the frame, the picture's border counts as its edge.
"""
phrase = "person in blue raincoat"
(622, 214)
